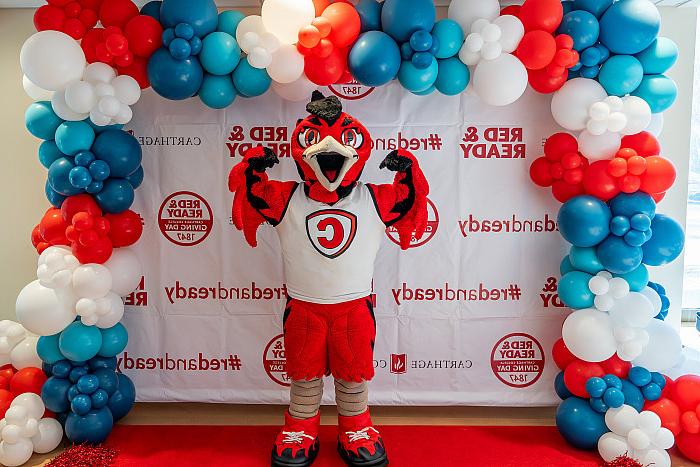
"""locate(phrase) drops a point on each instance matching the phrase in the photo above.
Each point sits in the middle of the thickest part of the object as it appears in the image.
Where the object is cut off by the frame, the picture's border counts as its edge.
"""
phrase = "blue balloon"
(633, 396)
(217, 92)
(76, 372)
(666, 242)
(617, 256)
(47, 349)
(180, 48)
(637, 279)
(121, 402)
(560, 388)
(453, 76)
(590, 72)
(583, 28)
(565, 265)
(49, 153)
(152, 9)
(597, 7)
(422, 60)
(81, 404)
(374, 59)
(621, 75)
(639, 376)
(98, 363)
(584, 221)
(415, 79)
(250, 81)
(120, 150)
(228, 21)
(174, 79)
(629, 204)
(220, 53)
(201, 15)
(108, 380)
(573, 290)
(406, 51)
(659, 91)
(579, 424)
(612, 381)
(659, 57)
(136, 178)
(41, 120)
(116, 196)
(93, 427)
(596, 387)
(61, 369)
(585, 259)
(428, 91)
(88, 384)
(56, 199)
(79, 342)
(401, 18)
(73, 137)
(451, 37)
(80, 177)
(370, 12)
(651, 392)
(59, 178)
(590, 57)
(99, 399)
(114, 341)
(614, 398)
(629, 26)
(54, 393)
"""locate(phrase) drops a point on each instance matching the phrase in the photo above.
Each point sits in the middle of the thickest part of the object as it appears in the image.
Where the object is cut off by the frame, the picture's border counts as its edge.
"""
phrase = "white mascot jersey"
(329, 251)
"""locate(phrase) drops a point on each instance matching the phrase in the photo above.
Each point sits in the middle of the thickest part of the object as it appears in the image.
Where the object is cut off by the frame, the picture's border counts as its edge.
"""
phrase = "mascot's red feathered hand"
(330, 149)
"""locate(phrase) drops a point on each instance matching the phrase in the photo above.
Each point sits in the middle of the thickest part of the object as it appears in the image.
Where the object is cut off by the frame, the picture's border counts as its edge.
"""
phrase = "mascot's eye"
(308, 137)
(352, 138)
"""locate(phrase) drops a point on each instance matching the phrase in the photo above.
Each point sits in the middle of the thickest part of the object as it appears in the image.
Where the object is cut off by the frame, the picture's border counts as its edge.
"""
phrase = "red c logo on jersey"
(331, 231)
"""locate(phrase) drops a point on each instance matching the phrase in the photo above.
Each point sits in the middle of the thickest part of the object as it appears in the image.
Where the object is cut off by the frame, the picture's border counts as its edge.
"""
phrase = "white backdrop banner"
(468, 315)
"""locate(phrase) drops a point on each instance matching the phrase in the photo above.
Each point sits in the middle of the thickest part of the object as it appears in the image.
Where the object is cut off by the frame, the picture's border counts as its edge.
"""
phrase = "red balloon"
(52, 227)
(309, 36)
(544, 83)
(616, 366)
(7, 371)
(541, 14)
(689, 445)
(117, 12)
(49, 17)
(562, 355)
(577, 373)
(5, 401)
(27, 380)
(98, 251)
(145, 35)
(686, 392)
(563, 191)
(320, 5)
(599, 183)
(345, 23)
(540, 173)
(668, 412)
(659, 176)
(513, 10)
(559, 144)
(137, 70)
(325, 71)
(4, 383)
(79, 203)
(536, 49)
(644, 143)
(124, 228)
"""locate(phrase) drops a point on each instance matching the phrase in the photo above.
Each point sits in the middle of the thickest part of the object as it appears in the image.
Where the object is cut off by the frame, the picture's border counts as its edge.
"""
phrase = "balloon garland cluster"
(602, 60)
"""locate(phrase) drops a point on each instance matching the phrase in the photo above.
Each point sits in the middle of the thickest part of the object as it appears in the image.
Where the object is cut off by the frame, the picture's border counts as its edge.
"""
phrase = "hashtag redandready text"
(230, 362)
(449, 294)
(220, 292)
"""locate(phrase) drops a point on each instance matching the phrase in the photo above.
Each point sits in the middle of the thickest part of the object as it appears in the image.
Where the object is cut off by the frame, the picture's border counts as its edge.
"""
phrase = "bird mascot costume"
(330, 227)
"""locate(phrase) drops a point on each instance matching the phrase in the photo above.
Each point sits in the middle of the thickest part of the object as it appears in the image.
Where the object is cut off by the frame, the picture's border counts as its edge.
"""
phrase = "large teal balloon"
(79, 342)
(585, 259)
(114, 341)
(93, 428)
(116, 196)
(217, 92)
(120, 150)
(659, 57)
(220, 53)
(573, 290)
(417, 80)
(47, 349)
(174, 79)
(49, 153)
(659, 91)
(584, 221)
(73, 137)
(621, 75)
(629, 26)
(453, 76)
(597, 7)
(250, 81)
(41, 120)
(228, 21)
(666, 242)
(579, 424)
(401, 18)
(202, 15)
(617, 256)
(374, 59)
(450, 36)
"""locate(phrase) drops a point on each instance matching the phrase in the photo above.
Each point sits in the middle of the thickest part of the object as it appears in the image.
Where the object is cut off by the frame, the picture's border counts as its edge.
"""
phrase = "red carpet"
(249, 446)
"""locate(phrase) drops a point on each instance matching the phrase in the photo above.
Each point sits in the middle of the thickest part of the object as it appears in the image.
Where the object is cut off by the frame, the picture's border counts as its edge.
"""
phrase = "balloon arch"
(602, 61)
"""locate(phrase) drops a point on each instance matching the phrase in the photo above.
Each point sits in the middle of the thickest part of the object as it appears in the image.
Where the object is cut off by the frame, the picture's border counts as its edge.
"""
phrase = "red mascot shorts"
(335, 339)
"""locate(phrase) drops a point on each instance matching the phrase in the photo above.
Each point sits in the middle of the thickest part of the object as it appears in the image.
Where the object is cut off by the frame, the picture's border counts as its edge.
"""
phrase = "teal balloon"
(597, 7)
(250, 81)
(49, 153)
(370, 12)
(121, 402)
(116, 196)
(59, 178)
(174, 79)
(453, 76)
(633, 396)
(48, 350)
(629, 26)
(585, 259)
(220, 53)
(629, 204)
(54, 393)
(579, 424)
(659, 91)
(120, 150)
(427, 92)
(228, 21)
(55, 198)
(617, 256)
(415, 79)
(92, 428)
(401, 18)
(374, 59)
(637, 279)
(217, 92)
(621, 75)
(666, 243)
(73, 137)
(450, 36)
(202, 15)
(583, 28)
(584, 221)
(79, 342)
(114, 341)
(659, 57)
(565, 265)
(573, 290)
(41, 121)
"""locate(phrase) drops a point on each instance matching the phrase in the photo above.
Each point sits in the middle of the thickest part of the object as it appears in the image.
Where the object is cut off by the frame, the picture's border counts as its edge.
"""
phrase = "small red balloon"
(599, 183)
(659, 176)
(27, 380)
(6, 398)
(668, 412)
(578, 373)
(320, 5)
(309, 36)
(137, 70)
(544, 83)
(345, 23)
(145, 35)
(536, 50)
(97, 251)
(686, 392)
(117, 12)
(49, 17)
(562, 355)
(52, 227)
(616, 366)
(644, 143)
(325, 71)
(560, 144)
(545, 15)
(125, 228)
(540, 173)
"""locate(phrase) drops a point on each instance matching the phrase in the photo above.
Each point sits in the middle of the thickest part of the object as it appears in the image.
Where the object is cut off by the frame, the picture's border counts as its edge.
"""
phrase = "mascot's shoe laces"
(297, 444)
(359, 443)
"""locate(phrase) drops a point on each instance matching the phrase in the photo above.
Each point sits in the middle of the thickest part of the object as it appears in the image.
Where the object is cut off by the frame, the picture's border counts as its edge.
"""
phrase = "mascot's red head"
(330, 148)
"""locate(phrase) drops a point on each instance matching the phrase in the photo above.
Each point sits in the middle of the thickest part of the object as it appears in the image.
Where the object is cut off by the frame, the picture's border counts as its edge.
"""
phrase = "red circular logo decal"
(517, 360)
(185, 218)
(351, 91)
(275, 361)
(430, 230)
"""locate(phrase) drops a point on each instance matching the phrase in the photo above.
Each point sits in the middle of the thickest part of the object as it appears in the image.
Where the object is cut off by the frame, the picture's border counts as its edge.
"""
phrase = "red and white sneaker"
(297, 444)
(359, 443)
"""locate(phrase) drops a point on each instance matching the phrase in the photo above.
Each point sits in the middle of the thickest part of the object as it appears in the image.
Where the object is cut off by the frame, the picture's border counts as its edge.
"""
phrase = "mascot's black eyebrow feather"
(327, 108)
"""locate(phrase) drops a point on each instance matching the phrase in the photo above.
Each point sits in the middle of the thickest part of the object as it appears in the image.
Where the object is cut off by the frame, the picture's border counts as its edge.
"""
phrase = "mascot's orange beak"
(330, 160)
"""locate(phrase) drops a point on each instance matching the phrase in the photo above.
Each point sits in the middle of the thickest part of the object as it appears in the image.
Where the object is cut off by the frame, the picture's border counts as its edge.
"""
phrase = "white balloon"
(12, 455)
(126, 270)
(512, 32)
(649, 422)
(468, 56)
(99, 119)
(32, 403)
(571, 104)
(269, 42)
(249, 41)
(287, 64)
(52, 60)
(638, 115)
(621, 420)
(611, 446)
(124, 115)
(109, 106)
(49, 436)
(633, 310)
(656, 126)
(296, 91)
(465, 12)
(637, 439)
(491, 51)
(126, 89)
(24, 354)
(599, 285)
(653, 297)
(284, 18)
(589, 335)
(41, 312)
(80, 97)
(619, 287)
(60, 107)
(115, 313)
(501, 81)
(104, 90)
(249, 24)
(92, 281)
(259, 58)
(663, 350)
(34, 91)
(655, 457)
(600, 147)
(99, 72)
(663, 438)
